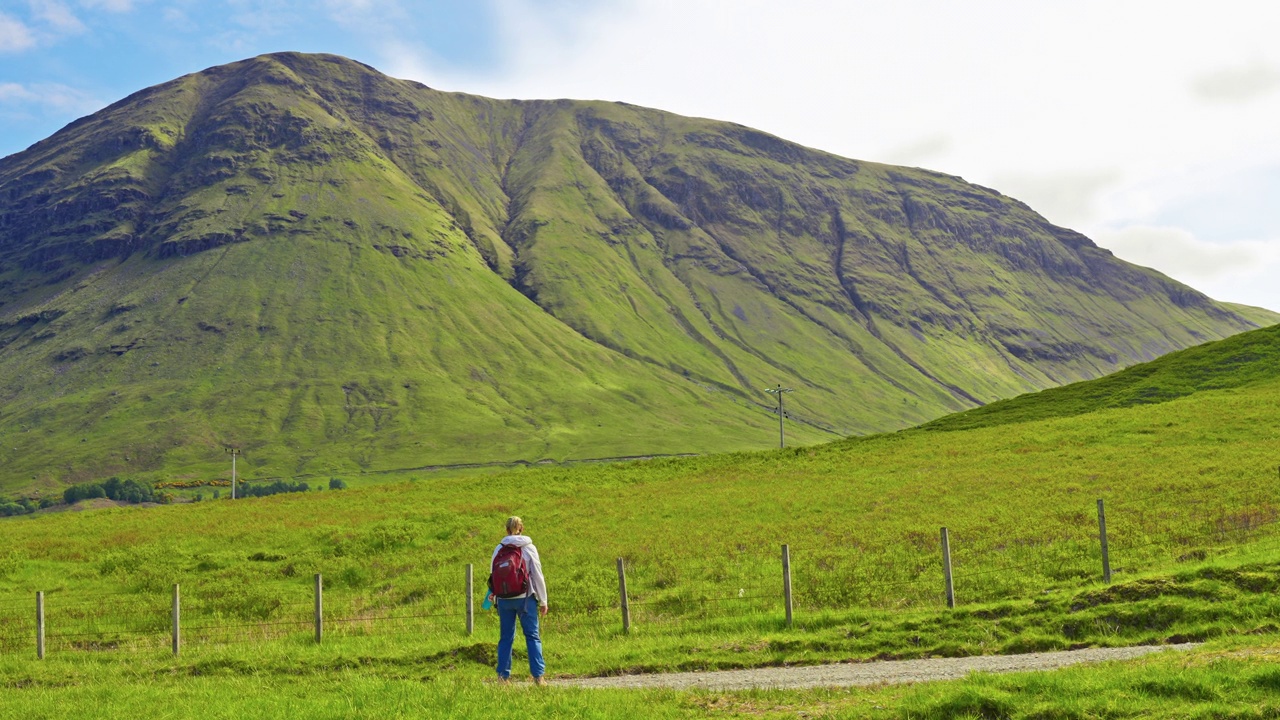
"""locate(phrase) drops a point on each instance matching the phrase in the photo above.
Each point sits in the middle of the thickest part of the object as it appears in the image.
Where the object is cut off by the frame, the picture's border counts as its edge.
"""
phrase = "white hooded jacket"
(531, 561)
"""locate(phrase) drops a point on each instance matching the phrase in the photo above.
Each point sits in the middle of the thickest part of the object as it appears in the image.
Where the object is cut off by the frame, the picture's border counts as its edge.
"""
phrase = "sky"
(1151, 127)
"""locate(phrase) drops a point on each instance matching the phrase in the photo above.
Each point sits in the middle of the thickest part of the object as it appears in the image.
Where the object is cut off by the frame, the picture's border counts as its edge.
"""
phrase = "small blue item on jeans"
(488, 601)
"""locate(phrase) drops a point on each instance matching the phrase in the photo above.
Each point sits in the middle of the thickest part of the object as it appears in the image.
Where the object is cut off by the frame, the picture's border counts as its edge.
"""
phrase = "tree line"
(133, 492)
(129, 491)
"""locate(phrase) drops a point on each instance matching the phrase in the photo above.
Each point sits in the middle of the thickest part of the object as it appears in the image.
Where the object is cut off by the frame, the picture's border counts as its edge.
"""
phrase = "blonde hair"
(515, 525)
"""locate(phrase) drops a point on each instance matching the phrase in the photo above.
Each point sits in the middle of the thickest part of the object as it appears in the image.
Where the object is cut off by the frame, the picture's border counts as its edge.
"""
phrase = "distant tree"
(128, 491)
(76, 493)
(337, 484)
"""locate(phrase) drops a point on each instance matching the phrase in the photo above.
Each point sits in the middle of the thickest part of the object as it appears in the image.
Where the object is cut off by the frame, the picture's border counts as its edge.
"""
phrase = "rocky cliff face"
(346, 270)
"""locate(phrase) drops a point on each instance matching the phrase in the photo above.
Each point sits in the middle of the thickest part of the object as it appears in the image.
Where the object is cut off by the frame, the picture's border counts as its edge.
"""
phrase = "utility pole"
(780, 391)
(234, 452)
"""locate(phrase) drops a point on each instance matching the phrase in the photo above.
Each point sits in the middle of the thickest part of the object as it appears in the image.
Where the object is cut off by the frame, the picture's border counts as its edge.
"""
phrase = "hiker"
(521, 592)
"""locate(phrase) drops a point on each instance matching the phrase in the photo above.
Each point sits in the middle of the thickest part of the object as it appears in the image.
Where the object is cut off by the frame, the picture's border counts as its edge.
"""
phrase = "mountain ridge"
(340, 238)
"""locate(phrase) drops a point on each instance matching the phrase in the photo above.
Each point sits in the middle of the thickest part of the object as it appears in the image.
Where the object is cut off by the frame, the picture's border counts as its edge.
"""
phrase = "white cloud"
(47, 21)
(177, 19)
(351, 8)
(382, 19)
(1180, 254)
(13, 91)
(406, 60)
(46, 97)
(57, 17)
(1238, 271)
(1066, 198)
(15, 36)
(1238, 84)
(922, 151)
(116, 6)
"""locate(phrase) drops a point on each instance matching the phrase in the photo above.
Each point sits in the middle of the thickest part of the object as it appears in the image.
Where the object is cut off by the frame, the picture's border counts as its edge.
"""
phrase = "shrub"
(275, 488)
(337, 484)
(23, 506)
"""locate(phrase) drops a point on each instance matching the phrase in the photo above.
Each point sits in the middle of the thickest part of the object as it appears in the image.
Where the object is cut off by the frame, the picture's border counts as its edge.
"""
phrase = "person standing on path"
(521, 591)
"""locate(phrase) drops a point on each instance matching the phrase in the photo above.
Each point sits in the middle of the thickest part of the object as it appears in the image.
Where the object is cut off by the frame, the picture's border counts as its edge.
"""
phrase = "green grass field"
(1229, 678)
(1190, 485)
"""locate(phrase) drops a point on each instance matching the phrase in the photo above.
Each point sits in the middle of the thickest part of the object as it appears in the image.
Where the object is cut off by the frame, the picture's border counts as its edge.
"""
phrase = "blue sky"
(60, 60)
(1148, 125)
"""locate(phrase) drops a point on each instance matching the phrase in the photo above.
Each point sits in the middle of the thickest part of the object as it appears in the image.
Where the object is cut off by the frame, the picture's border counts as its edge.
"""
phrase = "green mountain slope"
(1245, 360)
(1261, 316)
(338, 270)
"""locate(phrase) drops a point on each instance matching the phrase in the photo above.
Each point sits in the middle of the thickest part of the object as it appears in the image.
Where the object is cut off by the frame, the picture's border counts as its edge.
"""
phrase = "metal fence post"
(1102, 535)
(786, 580)
(622, 592)
(946, 569)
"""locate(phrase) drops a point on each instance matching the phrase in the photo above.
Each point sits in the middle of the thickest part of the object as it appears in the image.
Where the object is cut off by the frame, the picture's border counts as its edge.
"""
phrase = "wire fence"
(662, 593)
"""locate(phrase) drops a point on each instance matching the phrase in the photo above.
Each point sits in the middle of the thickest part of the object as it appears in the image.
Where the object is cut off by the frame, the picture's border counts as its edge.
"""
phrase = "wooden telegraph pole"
(235, 452)
(780, 391)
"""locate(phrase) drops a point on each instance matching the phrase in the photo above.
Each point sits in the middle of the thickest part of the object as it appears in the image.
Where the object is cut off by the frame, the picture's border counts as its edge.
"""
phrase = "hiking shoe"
(540, 681)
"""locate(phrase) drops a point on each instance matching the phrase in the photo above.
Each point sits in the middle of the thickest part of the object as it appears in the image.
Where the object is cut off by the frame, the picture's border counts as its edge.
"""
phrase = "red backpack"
(509, 577)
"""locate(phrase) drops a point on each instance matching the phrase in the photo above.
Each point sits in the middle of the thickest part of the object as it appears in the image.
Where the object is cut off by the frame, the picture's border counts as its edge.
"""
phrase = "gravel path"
(871, 673)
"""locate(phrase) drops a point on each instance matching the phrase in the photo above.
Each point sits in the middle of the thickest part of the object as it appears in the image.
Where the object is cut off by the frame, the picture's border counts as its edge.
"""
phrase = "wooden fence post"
(622, 592)
(40, 624)
(319, 608)
(786, 580)
(177, 636)
(946, 569)
(471, 603)
(1102, 535)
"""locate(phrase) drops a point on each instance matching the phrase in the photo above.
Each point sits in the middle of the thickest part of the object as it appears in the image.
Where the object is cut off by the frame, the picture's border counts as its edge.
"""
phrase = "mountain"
(1243, 361)
(339, 271)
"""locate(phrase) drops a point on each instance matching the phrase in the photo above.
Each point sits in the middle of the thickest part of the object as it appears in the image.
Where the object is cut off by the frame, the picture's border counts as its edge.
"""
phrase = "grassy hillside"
(1192, 529)
(1184, 480)
(341, 272)
(1243, 361)
(1176, 473)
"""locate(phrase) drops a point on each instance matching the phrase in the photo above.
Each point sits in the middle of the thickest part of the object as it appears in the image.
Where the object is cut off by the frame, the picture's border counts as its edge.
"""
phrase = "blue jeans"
(526, 609)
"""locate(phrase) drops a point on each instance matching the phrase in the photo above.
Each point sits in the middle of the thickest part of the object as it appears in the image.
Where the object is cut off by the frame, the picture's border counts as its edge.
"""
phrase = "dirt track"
(873, 673)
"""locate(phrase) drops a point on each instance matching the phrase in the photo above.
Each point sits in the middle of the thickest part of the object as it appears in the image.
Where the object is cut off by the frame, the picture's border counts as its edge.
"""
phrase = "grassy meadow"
(1190, 486)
